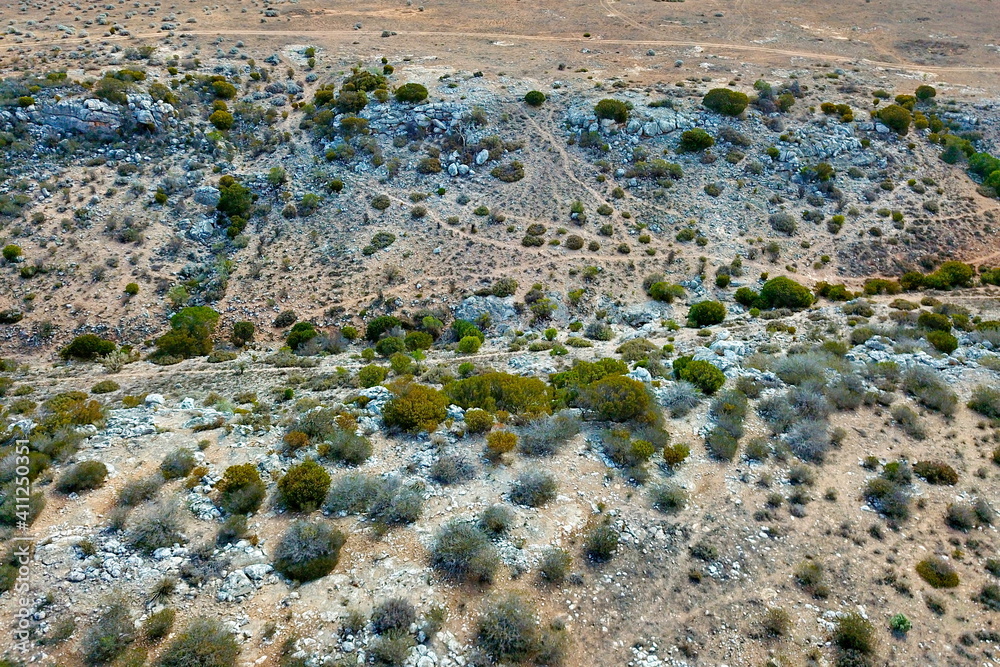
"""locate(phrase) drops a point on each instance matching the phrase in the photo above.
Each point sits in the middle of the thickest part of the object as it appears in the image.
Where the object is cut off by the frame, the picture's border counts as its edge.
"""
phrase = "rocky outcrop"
(94, 116)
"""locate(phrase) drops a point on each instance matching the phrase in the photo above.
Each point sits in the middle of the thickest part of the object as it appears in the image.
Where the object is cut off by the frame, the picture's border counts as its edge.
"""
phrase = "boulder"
(207, 196)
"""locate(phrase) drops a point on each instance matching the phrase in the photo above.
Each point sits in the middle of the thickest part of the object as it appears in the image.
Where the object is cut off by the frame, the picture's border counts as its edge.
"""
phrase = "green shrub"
(241, 490)
(942, 341)
(389, 346)
(725, 101)
(190, 334)
(463, 329)
(695, 140)
(469, 345)
(500, 442)
(896, 118)
(300, 333)
(411, 93)
(304, 486)
(372, 375)
(105, 387)
(668, 498)
(478, 421)
(612, 109)
(418, 340)
(380, 325)
(783, 292)
(11, 252)
(416, 407)
(601, 543)
(534, 98)
(501, 391)
(854, 636)
(463, 552)
(87, 347)
(177, 464)
(159, 624)
(205, 642)
(937, 572)
(83, 476)
(308, 550)
(934, 321)
(936, 472)
(662, 291)
(701, 374)
(618, 398)
(221, 119)
(706, 313)
(109, 636)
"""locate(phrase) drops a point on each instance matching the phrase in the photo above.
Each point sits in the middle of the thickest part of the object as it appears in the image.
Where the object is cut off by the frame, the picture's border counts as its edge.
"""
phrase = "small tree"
(706, 313)
(896, 118)
(304, 487)
(243, 333)
(534, 98)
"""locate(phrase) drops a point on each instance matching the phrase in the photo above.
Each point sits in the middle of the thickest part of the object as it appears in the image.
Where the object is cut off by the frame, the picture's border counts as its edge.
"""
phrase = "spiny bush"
(393, 615)
(463, 552)
(178, 463)
(601, 543)
(725, 101)
(205, 642)
(555, 565)
(668, 498)
(137, 491)
(680, 398)
(533, 488)
(159, 624)
(909, 421)
(545, 435)
(855, 638)
(986, 401)
(241, 490)
(783, 222)
(87, 348)
(930, 391)
(809, 574)
(155, 527)
(452, 469)
(989, 596)
(308, 550)
(889, 496)
(83, 476)
(353, 493)
(938, 572)
(416, 407)
(496, 521)
(508, 630)
(706, 313)
(809, 440)
(346, 447)
(501, 391)
(109, 636)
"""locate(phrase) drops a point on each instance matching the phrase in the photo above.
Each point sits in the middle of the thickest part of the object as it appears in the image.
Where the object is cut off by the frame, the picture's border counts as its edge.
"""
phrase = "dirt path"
(718, 46)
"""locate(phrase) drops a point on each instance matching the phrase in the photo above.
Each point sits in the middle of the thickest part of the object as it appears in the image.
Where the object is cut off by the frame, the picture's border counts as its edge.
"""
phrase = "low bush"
(108, 638)
(205, 642)
(706, 313)
(680, 398)
(84, 476)
(452, 469)
(87, 348)
(303, 488)
(416, 407)
(411, 93)
(938, 572)
(177, 464)
(105, 387)
(703, 375)
(308, 550)
(555, 565)
(619, 399)
(783, 292)
(241, 490)
(668, 498)
(986, 401)
(533, 488)
(601, 543)
(725, 101)
(855, 638)
(989, 597)
(137, 491)
(612, 109)
(154, 527)
(545, 435)
(353, 493)
(926, 386)
(496, 521)
(936, 472)
(534, 98)
(507, 631)
(159, 624)
(394, 615)
(478, 421)
(463, 552)
(695, 140)
(494, 391)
